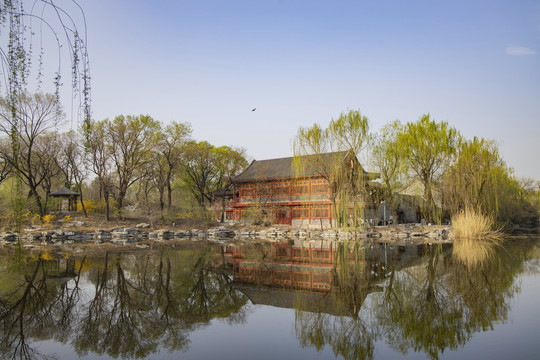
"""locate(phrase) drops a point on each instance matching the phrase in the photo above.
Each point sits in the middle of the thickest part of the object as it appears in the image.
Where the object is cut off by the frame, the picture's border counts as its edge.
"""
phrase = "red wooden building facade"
(274, 189)
(284, 199)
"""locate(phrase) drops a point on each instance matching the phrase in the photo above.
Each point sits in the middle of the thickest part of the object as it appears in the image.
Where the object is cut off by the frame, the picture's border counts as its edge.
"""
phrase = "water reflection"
(138, 303)
(477, 252)
(421, 298)
(347, 297)
(336, 279)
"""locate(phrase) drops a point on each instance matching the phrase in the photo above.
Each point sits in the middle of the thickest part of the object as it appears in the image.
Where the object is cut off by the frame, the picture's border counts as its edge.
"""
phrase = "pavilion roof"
(64, 192)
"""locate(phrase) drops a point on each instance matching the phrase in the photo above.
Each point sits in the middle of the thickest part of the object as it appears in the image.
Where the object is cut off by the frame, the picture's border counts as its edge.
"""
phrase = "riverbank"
(142, 235)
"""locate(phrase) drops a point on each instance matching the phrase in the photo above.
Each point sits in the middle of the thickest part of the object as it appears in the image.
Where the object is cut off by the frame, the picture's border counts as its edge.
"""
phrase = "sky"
(474, 64)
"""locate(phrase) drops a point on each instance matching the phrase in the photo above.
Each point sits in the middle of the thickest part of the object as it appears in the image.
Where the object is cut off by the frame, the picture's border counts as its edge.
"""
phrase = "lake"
(307, 300)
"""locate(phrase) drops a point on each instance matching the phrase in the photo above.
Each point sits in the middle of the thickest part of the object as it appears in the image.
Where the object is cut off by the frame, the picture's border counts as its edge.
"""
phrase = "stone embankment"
(402, 234)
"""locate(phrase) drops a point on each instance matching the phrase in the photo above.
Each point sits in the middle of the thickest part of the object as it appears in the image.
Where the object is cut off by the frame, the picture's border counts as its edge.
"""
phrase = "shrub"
(47, 219)
(89, 205)
(100, 207)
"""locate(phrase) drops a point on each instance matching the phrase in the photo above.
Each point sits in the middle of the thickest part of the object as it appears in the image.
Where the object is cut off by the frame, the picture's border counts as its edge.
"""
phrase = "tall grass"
(473, 224)
(475, 238)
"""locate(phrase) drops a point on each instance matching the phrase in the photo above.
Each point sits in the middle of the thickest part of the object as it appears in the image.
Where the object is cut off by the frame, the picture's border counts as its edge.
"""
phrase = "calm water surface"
(272, 301)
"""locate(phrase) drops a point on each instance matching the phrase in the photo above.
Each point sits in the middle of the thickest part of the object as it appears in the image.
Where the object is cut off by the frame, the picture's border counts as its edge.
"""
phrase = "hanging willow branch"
(22, 30)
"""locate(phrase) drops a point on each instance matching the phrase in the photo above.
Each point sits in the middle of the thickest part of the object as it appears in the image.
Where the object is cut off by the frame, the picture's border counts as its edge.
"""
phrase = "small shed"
(68, 198)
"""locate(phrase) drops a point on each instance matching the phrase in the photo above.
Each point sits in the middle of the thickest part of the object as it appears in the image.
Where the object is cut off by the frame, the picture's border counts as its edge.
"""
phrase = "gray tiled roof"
(284, 167)
(64, 192)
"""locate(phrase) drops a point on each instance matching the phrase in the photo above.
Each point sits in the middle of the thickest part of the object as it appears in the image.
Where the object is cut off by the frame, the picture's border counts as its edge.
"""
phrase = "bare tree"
(100, 161)
(169, 145)
(131, 139)
(46, 162)
(33, 116)
(71, 159)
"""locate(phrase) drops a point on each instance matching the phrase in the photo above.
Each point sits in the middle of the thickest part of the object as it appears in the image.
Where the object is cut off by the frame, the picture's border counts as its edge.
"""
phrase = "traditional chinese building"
(299, 191)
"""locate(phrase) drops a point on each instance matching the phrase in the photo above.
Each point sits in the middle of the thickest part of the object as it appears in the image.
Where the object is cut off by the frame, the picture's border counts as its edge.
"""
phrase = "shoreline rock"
(406, 233)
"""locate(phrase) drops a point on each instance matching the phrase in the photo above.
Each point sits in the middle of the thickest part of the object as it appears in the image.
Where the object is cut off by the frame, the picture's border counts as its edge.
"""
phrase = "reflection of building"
(300, 195)
(293, 267)
(288, 268)
(312, 267)
(285, 275)
(60, 267)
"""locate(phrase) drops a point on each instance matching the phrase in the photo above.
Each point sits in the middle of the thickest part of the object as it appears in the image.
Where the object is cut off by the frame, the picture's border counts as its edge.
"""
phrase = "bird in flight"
(253, 109)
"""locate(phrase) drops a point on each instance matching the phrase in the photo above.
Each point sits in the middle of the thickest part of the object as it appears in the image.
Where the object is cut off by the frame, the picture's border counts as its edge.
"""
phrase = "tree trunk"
(120, 200)
(161, 200)
(429, 199)
(107, 208)
(82, 205)
(37, 199)
(201, 201)
(169, 195)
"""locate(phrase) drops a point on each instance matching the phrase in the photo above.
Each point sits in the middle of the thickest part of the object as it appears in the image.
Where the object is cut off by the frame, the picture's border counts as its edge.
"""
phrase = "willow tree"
(327, 153)
(472, 180)
(387, 160)
(39, 37)
(34, 39)
(428, 148)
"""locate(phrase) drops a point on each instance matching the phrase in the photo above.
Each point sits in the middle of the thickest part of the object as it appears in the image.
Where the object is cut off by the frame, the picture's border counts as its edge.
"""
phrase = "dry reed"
(475, 240)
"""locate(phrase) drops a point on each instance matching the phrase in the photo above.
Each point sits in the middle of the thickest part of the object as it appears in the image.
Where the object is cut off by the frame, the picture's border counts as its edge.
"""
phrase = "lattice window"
(282, 189)
(320, 211)
(264, 189)
(300, 188)
(247, 191)
(319, 187)
(300, 212)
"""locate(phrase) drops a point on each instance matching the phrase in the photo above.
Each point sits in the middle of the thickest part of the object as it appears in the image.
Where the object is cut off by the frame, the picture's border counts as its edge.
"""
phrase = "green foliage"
(130, 139)
(472, 179)
(480, 179)
(166, 159)
(258, 214)
(387, 159)
(428, 147)
(100, 206)
(345, 137)
(207, 168)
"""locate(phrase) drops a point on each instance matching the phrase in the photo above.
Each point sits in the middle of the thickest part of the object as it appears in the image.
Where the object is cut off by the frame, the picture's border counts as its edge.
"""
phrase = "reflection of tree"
(63, 308)
(15, 305)
(140, 302)
(119, 320)
(417, 310)
(486, 292)
(209, 297)
(348, 333)
(144, 302)
(33, 306)
(439, 304)
(435, 305)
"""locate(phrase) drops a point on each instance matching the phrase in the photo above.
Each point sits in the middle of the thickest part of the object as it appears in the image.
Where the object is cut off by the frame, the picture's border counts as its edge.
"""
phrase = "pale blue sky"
(475, 64)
